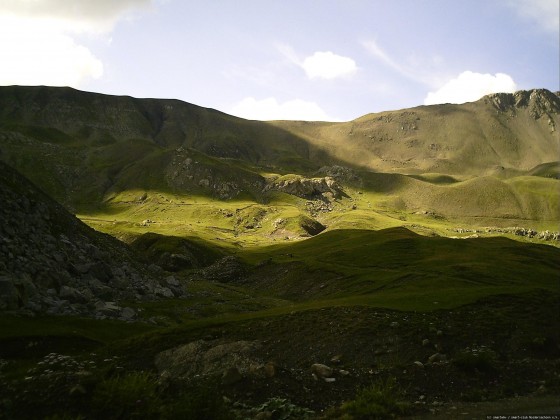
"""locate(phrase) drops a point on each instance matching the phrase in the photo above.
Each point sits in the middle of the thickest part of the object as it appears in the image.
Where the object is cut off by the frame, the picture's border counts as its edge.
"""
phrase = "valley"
(163, 260)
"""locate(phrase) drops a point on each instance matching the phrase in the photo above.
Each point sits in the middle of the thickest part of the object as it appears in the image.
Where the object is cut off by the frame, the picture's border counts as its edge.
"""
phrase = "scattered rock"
(209, 359)
(225, 270)
(172, 281)
(322, 371)
(336, 359)
(436, 357)
(51, 262)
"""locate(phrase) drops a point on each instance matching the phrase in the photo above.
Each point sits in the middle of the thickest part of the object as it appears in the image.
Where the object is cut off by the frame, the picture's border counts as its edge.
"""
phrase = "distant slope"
(517, 131)
(81, 146)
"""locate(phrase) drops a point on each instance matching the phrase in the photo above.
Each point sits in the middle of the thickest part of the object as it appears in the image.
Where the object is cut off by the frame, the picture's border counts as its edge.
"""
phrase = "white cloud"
(327, 65)
(38, 39)
(35, 55)
(79, 16)
(270, 109)
(545, 13)
(321, 64)
(470, 86)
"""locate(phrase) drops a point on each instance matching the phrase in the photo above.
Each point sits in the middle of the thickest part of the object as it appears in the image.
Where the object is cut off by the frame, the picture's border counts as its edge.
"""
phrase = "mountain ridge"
(81, 141)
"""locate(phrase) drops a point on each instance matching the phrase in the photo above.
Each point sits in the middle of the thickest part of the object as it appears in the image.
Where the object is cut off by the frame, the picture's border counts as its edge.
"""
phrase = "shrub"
(483, 360)
(133, 395)
(282, 409)
(378, 401)
(197, 403)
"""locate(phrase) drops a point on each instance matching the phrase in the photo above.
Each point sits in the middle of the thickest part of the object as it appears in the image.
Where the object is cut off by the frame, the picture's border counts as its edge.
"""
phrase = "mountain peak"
(539, 101)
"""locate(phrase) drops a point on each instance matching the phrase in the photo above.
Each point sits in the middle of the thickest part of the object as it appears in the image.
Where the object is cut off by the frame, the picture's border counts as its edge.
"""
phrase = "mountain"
(82, 146)
(404, 263)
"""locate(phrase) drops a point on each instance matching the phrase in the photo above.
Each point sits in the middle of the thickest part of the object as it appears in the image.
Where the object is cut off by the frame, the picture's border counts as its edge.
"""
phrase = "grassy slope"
(397, 268)
(457, 139)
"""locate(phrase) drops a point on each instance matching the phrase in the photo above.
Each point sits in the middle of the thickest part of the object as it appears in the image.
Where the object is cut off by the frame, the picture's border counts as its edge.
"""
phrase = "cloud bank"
(38, 43)
(270, 109)
(469, 87)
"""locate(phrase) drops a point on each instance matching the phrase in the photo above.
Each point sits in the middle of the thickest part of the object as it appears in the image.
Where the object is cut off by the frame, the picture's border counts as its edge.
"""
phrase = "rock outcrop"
(539, 102)
(225, 270)
(309, 188)
(230, 360)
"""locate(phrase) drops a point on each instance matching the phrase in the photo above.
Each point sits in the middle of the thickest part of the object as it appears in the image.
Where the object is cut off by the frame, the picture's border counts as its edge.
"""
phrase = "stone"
(436, 357)
(128, 313)
(9, 296)
(164, 292)
(78, 389)
(336, 359)
(71, 294)
(419, 364)
(425, 342)
(101, 271)
(231, 376)
(322, 371)
(270, 369)
(172, 281)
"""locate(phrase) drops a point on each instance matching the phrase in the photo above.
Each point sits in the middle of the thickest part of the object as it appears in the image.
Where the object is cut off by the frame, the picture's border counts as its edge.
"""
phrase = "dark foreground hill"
(51, 262)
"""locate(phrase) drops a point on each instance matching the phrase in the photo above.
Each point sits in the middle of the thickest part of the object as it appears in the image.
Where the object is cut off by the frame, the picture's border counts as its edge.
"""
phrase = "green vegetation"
(378, 401)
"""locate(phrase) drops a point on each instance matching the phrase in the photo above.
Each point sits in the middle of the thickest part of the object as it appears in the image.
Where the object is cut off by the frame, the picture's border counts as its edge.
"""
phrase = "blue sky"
(288, 59)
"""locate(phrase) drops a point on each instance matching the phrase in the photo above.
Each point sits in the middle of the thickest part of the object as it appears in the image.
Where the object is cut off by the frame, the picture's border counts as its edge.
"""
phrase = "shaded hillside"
(52, 262)
(79, 146)
(84, 147)
(398, 268)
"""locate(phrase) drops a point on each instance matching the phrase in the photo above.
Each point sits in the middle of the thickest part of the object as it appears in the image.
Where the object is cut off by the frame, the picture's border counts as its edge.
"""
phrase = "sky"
(331, 60)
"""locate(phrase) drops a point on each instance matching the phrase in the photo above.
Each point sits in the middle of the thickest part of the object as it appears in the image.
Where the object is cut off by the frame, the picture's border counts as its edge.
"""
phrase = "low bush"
(378, 401)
